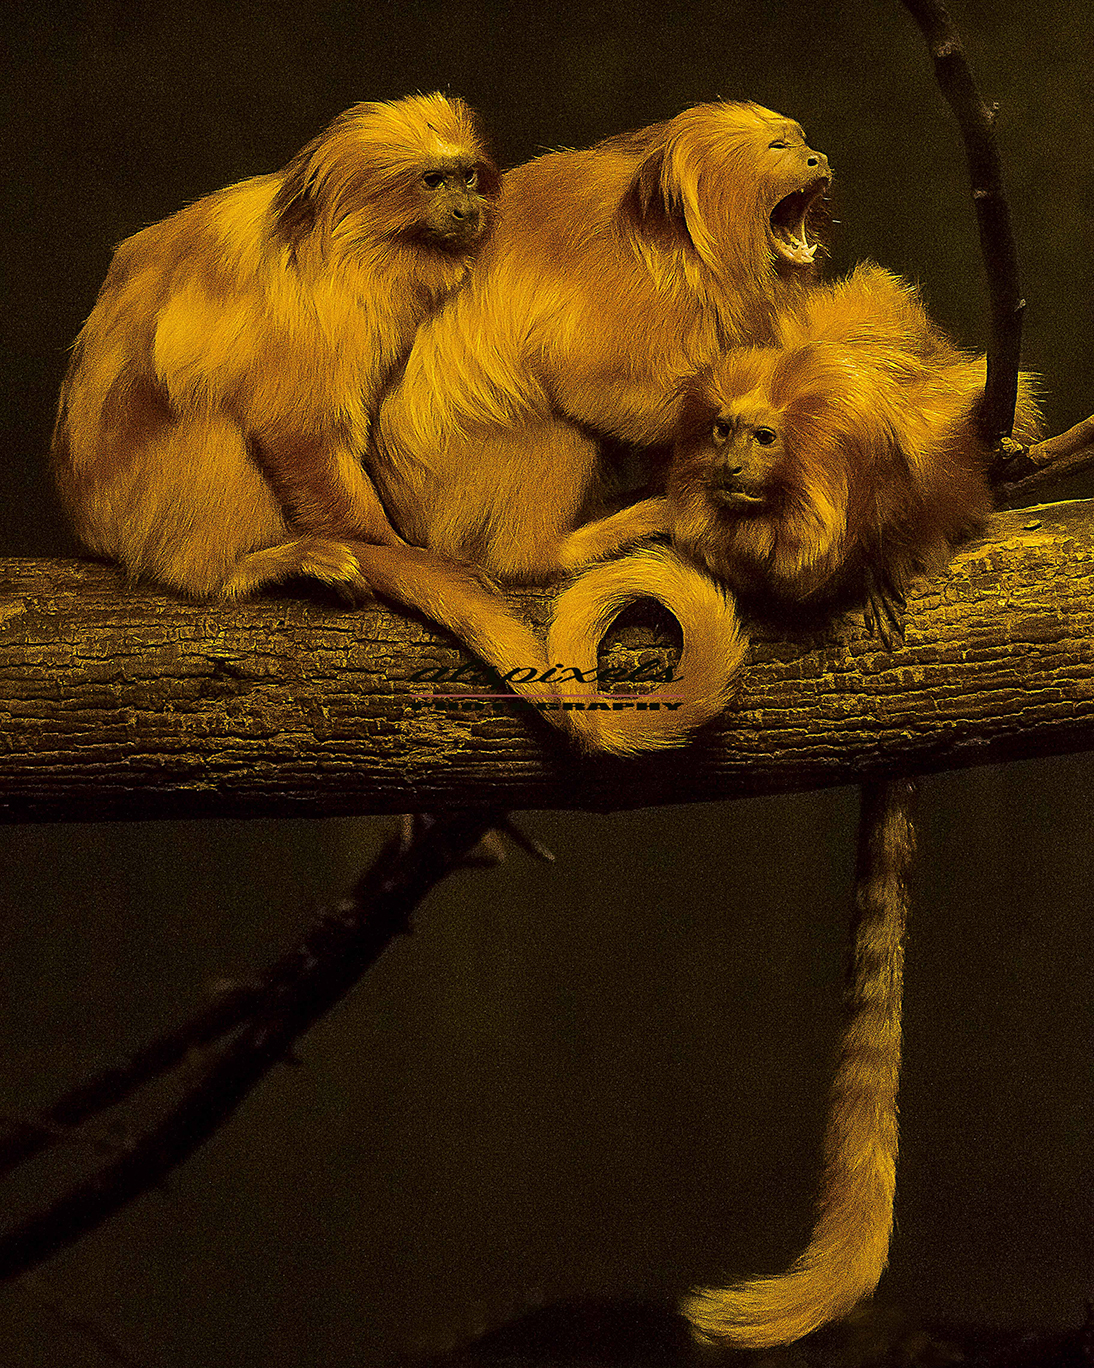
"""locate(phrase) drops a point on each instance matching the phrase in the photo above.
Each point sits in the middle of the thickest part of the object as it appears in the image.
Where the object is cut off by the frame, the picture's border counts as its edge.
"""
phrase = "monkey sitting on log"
(848, 458)
(219, 397)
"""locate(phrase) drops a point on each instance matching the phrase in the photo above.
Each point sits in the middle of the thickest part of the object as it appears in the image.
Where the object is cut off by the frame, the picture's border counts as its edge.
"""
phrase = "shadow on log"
(118, 702)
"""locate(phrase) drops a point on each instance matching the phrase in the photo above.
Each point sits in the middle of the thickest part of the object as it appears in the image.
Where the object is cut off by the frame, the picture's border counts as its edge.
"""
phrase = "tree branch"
(1070, 453)
(299, 989)
(977, 123)
(124, 703)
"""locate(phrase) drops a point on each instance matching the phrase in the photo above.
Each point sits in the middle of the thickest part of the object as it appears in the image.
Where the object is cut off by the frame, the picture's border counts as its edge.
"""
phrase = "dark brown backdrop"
(604, 1078)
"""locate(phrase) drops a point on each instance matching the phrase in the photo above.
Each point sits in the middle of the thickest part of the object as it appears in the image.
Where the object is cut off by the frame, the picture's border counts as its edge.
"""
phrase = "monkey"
(845, 458)
(612, 275)
(220, 394)
(223, 388)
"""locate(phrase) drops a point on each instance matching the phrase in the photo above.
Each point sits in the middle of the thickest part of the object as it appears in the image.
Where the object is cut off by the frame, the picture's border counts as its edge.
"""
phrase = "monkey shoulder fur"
(218, 401)
(614, 273)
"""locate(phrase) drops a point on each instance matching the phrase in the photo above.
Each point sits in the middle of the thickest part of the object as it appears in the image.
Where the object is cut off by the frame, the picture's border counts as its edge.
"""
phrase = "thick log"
(118, 702)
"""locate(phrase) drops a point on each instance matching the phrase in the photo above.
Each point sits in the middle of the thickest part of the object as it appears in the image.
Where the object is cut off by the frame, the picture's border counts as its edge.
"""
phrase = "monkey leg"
(602, 538)
(322, 485)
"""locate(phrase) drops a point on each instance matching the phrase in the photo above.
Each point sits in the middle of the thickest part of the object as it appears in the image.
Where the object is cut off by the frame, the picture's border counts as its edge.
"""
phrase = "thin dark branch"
(29, 1136)
(305, 985)
(977, 123)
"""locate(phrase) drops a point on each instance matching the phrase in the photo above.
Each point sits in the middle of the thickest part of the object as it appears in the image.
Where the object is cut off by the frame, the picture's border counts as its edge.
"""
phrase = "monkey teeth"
(788, 230)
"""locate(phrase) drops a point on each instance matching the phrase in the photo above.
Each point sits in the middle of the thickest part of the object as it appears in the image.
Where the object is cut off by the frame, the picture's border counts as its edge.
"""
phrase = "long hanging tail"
(712, 654)
(850, 1244)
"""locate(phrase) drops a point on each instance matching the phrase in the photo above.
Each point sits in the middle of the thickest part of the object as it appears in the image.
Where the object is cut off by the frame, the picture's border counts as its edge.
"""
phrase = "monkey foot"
(885, 607)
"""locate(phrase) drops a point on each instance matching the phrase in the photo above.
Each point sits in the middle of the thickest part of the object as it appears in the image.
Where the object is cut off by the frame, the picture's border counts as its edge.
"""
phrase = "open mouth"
(736, 499)
(789, 219)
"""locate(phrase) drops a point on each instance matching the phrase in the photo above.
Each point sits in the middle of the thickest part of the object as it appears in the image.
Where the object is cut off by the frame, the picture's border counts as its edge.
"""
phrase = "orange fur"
(850, 1244)
(613, 274)
(874, 463)
(220, 393)
(844, 458)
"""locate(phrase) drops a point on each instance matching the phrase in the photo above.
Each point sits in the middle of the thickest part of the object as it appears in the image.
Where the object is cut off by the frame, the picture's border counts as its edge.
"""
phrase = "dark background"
(604, 1078)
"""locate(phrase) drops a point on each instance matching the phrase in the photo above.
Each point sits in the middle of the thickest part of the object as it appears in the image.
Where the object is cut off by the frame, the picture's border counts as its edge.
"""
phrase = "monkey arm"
(602, 538)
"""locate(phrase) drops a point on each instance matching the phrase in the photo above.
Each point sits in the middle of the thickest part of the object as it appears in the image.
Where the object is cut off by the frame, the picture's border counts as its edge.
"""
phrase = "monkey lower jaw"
(730, 499)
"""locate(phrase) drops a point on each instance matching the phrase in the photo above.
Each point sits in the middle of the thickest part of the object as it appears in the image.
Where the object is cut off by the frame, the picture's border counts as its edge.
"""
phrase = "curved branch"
(977, 123)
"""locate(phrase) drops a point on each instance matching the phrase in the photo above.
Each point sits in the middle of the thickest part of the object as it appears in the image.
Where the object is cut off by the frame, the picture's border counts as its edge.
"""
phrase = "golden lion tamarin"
(847, 458)
(613, 275)
(218, 401)
(220, 393)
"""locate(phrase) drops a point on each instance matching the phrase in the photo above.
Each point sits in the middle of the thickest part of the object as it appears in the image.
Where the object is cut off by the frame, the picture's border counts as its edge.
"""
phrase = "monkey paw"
(884, 612)
(334, 563)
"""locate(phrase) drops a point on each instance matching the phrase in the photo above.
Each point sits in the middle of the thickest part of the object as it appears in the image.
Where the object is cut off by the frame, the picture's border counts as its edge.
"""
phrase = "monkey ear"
(489, 180)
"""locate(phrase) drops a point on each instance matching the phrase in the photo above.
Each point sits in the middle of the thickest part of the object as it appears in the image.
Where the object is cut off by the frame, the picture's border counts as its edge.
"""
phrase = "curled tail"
(850, 1243)
(713, 650)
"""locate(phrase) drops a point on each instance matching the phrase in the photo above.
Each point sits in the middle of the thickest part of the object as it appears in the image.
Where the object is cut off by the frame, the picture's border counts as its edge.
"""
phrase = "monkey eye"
(433, 179)
(778, 143)
(720, 429)
(765, 435)
(472, 178)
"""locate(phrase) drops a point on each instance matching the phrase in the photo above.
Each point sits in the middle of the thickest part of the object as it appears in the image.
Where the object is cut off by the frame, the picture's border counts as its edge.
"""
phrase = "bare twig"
(29, 1136)
(86, 1327)
(1070, 453)
(301, 988)
(977, 123)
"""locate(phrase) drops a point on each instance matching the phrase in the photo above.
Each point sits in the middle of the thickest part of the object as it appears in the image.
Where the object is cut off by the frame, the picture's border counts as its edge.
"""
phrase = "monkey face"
(746, 452)
(453, 209)
(800, 178)
(755, 491)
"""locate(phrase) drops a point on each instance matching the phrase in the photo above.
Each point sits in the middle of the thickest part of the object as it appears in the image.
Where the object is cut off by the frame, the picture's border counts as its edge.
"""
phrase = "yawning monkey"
(613, 275)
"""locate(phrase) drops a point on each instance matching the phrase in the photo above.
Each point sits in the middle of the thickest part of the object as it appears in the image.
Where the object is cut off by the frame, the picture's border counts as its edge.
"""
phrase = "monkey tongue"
(732, 498)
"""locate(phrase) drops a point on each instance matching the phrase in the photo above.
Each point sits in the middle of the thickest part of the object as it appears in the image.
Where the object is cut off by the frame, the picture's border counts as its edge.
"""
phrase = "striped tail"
(850, 1244)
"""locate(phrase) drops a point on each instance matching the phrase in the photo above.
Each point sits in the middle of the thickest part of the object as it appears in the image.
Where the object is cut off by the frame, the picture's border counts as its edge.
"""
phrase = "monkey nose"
(819, 162)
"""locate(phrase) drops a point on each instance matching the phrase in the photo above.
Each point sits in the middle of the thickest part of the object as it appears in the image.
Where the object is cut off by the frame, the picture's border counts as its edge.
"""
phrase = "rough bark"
(118, 702)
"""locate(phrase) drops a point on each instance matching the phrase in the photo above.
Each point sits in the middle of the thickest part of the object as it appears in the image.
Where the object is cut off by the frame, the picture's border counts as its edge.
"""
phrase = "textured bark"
(121, 702)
